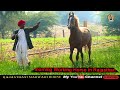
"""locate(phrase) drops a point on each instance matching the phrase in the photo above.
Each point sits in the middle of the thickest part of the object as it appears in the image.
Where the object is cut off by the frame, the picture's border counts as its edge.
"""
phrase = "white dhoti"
(21, 49)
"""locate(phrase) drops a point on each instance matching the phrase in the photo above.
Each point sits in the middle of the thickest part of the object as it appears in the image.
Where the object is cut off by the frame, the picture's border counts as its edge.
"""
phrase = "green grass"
(50, 39)
(101, 58)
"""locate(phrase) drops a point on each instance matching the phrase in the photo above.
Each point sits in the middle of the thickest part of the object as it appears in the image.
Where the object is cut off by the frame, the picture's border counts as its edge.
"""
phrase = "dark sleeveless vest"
(27, 32)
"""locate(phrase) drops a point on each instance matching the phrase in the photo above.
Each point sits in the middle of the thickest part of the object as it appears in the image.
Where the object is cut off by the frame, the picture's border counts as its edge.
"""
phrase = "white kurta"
(21, 49)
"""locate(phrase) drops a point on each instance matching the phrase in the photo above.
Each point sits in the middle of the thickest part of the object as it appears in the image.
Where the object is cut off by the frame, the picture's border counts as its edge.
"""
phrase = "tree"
(113, 28)
(47, 19)
(8, 20)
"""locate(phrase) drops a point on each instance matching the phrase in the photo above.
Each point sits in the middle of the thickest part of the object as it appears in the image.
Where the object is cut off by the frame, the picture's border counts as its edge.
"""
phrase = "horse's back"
(84, 29)
(86, 35)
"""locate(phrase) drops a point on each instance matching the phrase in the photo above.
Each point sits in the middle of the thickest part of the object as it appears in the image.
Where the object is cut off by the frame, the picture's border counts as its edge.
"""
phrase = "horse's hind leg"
(71, 53)
(89, 52)
(77, 56)
(80, 50)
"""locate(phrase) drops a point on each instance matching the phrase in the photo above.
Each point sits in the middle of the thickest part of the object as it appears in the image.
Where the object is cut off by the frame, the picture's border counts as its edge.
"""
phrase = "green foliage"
(8, 21)
(63, 17)
(47, 19)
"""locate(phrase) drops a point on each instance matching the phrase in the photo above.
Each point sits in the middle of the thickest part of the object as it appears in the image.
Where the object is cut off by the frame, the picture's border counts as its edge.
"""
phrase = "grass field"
(103, 56)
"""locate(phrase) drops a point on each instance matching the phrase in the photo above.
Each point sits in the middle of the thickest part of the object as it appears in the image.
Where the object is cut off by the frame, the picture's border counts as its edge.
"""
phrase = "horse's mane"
(77, 21)
(82, 29)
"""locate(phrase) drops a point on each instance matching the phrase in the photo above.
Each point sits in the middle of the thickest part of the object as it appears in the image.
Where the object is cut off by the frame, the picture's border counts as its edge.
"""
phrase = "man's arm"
(13, 36)
(31, 29)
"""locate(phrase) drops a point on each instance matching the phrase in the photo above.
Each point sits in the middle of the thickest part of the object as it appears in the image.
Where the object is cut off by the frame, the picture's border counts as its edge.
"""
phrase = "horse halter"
(70, 20)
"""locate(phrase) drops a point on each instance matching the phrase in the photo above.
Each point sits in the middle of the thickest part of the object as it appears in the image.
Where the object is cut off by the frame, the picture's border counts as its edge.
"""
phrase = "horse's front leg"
(77, 56)
(80, 50)
(89, 53)
(71, 53)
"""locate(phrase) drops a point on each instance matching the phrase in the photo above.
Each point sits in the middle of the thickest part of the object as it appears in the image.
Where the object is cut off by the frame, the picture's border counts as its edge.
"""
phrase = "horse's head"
(71, 20)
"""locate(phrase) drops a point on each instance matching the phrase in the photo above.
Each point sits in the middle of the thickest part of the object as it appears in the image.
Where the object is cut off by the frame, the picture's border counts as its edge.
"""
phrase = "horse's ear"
(69, 13)
(72, 13)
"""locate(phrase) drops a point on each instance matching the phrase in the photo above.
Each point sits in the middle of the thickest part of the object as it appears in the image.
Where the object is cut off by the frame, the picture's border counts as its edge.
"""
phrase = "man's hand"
(38, 23)
(14, 36)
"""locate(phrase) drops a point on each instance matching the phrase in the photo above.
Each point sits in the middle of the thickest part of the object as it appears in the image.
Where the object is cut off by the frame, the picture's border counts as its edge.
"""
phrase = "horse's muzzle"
(69, 27)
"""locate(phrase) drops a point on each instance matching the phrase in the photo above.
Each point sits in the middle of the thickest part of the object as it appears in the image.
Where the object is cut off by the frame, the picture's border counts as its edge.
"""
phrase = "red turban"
(21, 22)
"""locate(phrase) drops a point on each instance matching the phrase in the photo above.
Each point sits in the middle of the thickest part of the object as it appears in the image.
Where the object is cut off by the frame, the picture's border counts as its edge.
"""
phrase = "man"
(23, 43)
